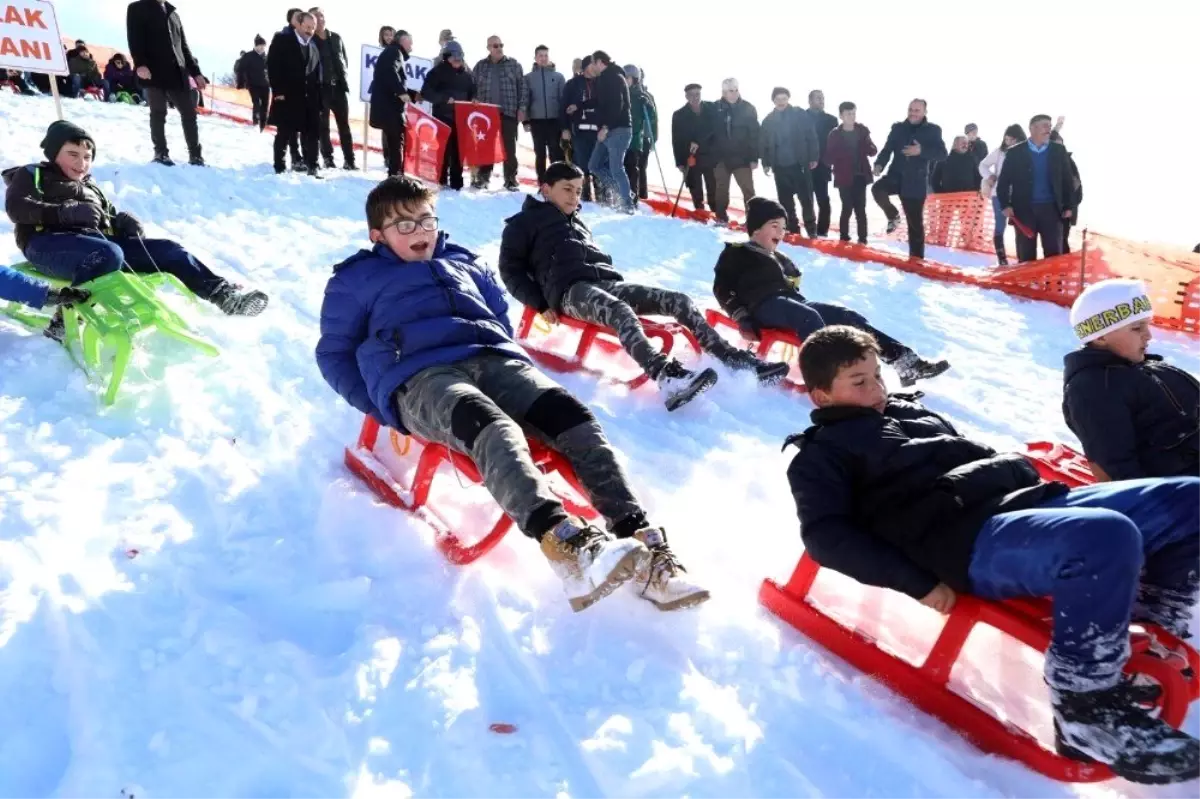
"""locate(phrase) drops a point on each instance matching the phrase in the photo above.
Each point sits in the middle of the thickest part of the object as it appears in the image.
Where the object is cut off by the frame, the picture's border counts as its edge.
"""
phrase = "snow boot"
(892, 224)
(163, 160)
(768, 372)
(590, 563)
(1109, 727)
(235, 302)
(912, 367)
(57, 329)
(196, 160)
(681, 386)
(663, 581)
(1002, 257)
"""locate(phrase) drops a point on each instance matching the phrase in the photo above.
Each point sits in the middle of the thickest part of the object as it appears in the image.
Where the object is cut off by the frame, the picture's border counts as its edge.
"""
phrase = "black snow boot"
(232, 300)
(57, 329)
(767, 372)
(912, 367)
(1001, 256)
(1110, 727)
(681, 386)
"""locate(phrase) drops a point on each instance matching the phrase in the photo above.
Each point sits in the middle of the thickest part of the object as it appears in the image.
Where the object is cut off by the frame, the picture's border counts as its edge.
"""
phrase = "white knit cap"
(1109, 305)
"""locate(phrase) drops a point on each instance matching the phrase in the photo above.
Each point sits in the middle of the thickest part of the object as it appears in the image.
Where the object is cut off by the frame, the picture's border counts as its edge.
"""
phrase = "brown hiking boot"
(590, 563)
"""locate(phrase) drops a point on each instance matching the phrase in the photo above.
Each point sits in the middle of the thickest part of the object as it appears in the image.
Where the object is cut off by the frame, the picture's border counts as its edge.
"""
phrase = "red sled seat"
(95, 92)
(1055, 461)
(1027, 621)
(401, 469)
(593, 335)
(788, 340)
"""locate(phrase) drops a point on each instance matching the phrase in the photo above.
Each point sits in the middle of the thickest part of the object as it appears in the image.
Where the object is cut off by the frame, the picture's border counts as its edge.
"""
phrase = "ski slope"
(197, 599)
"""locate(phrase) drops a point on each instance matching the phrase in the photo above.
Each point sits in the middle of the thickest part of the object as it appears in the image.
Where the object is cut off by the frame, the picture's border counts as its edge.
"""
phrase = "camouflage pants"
(616, 304)
(484, 406)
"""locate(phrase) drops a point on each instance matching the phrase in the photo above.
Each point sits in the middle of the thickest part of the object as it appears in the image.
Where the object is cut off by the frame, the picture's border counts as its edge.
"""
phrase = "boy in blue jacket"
(890, 494)
(1135, 414)
(416, 333)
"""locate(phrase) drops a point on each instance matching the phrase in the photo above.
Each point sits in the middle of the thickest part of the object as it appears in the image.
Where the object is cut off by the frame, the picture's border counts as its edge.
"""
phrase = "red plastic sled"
(1055, 461)
(763, 346)
(597, 335)
(377, 461)
(927, 685)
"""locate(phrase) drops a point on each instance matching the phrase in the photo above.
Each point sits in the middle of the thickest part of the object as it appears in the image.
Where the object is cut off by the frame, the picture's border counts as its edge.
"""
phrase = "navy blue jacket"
(897, 499)
(912, 172)
(384, 320)
(1133, 419)
(544, 252)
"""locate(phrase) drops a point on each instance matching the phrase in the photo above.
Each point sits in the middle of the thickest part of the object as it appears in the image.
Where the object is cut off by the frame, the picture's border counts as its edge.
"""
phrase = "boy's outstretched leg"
(148, 256)
(909, 366)
(445, 405)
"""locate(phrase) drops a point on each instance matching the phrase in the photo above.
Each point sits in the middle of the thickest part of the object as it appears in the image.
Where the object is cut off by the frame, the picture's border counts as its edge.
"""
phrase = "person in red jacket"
(848, 150)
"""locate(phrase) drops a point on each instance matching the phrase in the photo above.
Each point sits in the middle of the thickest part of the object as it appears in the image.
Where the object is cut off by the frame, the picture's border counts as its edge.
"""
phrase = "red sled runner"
(1028, 621)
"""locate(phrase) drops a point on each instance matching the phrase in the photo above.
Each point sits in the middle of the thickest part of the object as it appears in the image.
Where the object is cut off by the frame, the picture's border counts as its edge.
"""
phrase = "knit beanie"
(760, 211)
(259, 40)
(1107, 306)
(61, 132)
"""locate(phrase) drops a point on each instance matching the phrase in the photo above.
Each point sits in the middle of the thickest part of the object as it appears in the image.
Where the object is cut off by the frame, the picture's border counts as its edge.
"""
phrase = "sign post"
(30, 41)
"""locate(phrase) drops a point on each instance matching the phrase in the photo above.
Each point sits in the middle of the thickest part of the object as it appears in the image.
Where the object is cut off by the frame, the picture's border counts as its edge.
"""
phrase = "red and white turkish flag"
(478, 130)
(425, 144)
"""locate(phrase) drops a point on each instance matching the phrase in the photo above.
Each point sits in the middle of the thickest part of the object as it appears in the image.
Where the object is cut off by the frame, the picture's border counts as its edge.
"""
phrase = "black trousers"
(914, 212)
(260, 96)
(286, 135)
(854, 200)
(452, 166)
(337, 101)
(547, 143)
(1044, 220)
(508, 129)
(698, 181)
(820, 184)
(393, 147)
(792, 182)
(184, 103)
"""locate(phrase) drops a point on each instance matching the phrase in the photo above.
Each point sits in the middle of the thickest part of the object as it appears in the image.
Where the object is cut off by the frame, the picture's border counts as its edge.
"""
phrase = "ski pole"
(686, 169)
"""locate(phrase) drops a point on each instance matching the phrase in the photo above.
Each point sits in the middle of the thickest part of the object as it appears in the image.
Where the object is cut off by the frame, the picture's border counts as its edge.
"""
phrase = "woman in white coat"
(989, 170)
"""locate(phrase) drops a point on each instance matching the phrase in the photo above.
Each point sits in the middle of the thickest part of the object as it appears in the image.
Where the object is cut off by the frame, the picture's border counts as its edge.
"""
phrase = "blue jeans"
(998, 215)
(608, 163)
(80, 257)
(1086, 550)
(794, 313)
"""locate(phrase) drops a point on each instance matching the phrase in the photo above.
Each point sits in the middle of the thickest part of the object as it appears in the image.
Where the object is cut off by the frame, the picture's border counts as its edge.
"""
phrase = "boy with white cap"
(1135, 415)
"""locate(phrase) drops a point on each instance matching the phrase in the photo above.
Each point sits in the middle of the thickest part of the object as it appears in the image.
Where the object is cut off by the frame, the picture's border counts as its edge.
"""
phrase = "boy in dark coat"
(69, 230)
(912, 147)
(450, 82)
(848, 151)
(890, 494)
(1136, 415)
(415, 332)
(549, 261)
(759, 287)
(252, 71)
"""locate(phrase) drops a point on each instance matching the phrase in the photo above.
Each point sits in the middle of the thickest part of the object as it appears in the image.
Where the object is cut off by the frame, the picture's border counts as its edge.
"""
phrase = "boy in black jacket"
(549, 261)
(1135, 414)
(890, 494)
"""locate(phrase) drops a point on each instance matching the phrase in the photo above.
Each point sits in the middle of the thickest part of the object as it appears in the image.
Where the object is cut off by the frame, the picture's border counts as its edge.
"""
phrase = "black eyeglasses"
(406, 226)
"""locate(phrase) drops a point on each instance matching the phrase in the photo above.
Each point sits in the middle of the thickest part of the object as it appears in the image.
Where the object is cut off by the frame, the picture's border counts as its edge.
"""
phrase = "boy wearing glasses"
(416, 333)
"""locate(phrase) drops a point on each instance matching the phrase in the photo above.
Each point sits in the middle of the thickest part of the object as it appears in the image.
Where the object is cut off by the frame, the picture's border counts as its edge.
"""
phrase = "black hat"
(778, 90)
(760, 211)
(259, 40)
(61, 132)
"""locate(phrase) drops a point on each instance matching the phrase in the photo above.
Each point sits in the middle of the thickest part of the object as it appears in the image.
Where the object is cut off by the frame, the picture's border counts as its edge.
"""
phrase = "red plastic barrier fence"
(960, 220)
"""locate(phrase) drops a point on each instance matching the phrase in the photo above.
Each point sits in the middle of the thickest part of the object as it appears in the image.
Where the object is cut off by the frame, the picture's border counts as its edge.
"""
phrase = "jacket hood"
(441, 249)
(11, 172)
(1095, 358)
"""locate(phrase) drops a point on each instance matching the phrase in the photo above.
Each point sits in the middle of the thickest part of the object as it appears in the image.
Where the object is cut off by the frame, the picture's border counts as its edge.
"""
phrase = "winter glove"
(82, 215)
(67, 296)
(746, 324)
(125, 224)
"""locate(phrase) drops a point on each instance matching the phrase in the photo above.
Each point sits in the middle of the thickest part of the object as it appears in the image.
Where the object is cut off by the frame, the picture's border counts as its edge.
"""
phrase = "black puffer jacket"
(897, 499)
(445, 83)
(746, 274)
(35, 194)
(544, 252)
(737, 133)
(1133, 419)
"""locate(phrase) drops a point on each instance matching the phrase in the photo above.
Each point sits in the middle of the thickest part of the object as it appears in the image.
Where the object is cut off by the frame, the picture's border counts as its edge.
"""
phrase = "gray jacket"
(545, 92)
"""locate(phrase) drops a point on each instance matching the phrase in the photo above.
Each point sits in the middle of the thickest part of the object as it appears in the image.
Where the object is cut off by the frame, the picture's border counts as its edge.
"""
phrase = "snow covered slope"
(196, 598)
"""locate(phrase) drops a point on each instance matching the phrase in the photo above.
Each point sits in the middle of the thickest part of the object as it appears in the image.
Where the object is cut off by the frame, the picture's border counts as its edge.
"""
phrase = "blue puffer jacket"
(384, 320)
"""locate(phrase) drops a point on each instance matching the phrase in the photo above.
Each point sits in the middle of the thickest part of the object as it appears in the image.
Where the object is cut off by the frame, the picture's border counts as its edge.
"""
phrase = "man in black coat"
(912, 147)
(159, 49)
(1036, 186)
(978, 149)
(334, 93)
(788, 144)
(294, 69)
(450, 82)
(252, 74)
(389, 93)
(694, 136)
(823, 122)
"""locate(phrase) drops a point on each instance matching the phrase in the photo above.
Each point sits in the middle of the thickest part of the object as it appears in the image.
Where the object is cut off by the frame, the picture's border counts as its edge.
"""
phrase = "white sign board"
(415, 70)
(29, 38)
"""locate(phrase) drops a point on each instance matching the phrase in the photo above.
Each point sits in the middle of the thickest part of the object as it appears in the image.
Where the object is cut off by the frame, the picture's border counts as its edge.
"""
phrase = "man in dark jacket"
(890, 494)
(1136, 415)
(499, 80)
(252, 72)
(912, 147)
(334, 93)
(549, 261)
(389, 93)
(159, 49)
(823, 123)
(616, 130)
(978, 149)
(294, 69)
(694, 141)
(737, 146)
(580, 123)
(1036, 187)
(449, 82)
(545, 86)
(959, 172)
(788, 145)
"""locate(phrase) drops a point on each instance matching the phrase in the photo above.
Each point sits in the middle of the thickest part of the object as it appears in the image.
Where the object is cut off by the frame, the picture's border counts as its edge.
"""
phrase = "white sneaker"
(590, 563)
(664, 581)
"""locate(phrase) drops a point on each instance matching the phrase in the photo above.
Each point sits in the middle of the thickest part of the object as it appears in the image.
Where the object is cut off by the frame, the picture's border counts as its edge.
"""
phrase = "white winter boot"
(664, 581)
(590, 563)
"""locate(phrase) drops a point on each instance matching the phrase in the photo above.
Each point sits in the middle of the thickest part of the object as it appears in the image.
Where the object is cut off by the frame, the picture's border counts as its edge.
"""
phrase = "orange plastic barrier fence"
(961, 220)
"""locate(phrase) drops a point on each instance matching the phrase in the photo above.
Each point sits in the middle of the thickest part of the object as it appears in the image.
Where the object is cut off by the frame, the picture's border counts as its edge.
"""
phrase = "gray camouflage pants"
(616, 304)
(484, 406)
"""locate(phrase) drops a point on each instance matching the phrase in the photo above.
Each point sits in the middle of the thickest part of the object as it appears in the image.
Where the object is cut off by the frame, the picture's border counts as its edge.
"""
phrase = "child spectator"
(848, 151)
(122, 79)
(85, 73)
(415, 332)
(1135, 414)
(890, 494)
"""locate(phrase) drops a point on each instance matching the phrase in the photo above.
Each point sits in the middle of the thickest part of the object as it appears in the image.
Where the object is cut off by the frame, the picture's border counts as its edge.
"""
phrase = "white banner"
(29, 38)
(415, 70)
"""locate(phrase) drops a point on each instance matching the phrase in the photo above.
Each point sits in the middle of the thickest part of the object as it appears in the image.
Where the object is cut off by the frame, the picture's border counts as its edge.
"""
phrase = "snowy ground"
(196, 598)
